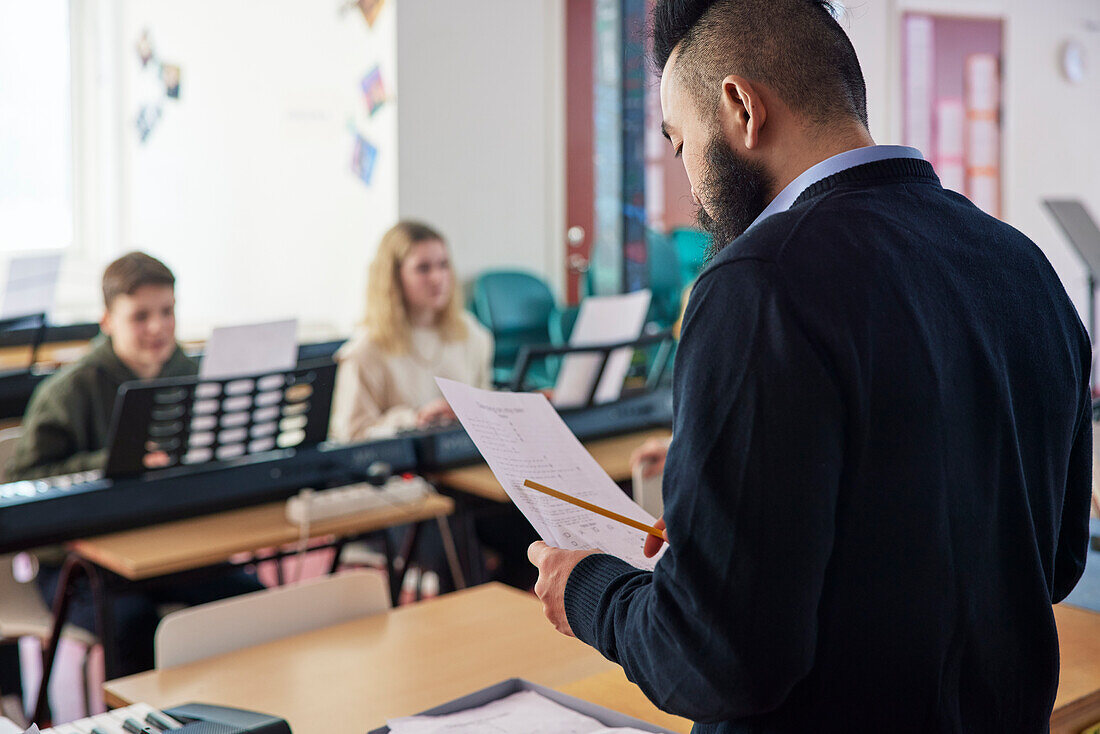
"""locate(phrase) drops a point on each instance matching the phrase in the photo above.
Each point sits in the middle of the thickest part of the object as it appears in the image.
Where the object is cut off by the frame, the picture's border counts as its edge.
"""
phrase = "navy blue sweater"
(879, 479)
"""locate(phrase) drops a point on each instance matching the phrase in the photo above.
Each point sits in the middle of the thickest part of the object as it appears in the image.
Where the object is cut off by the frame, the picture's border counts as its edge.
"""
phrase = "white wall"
(1051, 147)
(481, 129)
(244, 187)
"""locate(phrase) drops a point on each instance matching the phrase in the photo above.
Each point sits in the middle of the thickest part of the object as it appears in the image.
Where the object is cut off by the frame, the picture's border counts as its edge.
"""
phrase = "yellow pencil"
(594, 508)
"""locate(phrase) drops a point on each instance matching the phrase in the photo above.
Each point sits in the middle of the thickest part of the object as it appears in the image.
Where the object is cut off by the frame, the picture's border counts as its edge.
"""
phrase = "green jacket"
(66, 423)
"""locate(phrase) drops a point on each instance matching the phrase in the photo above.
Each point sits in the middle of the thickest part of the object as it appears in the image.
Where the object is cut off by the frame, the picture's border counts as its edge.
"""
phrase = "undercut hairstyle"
(130, 272)
(794, 47)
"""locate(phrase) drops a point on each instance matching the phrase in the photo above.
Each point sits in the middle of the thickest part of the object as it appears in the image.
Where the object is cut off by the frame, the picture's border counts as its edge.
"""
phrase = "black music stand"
(189, 421)
(529, 352)
(27, 330)
(1081, 231)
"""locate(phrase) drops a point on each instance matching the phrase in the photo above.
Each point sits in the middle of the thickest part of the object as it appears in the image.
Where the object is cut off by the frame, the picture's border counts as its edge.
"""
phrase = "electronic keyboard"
(193, 718)
(62, 508)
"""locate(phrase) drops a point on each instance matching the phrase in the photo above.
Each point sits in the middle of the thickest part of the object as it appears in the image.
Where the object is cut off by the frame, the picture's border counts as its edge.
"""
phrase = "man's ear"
(741, 112)
(105, 322)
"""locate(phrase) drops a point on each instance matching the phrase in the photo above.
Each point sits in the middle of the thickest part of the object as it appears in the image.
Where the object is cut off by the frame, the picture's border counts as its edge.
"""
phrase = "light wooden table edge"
(431, 506)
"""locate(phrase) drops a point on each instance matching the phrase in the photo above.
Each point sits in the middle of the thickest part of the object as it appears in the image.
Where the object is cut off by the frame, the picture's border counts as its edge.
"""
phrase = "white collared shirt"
(831, 166)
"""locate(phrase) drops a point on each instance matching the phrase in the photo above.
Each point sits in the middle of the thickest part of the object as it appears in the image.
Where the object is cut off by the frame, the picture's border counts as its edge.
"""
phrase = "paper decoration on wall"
(363, 157)
(374, 90)
(144, 48)
(160, 79)
(369, 8)
(170, 75)
(147, 120)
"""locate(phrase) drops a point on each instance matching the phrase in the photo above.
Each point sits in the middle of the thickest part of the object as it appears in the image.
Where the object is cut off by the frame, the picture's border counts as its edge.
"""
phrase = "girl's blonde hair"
(387, 318)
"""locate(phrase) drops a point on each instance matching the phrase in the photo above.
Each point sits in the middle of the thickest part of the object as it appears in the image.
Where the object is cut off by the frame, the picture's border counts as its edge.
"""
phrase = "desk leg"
(406, 554)
(464, 521)
(74, 567)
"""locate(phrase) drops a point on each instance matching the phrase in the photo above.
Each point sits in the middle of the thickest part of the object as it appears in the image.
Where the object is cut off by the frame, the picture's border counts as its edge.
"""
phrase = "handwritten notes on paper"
(522, 437)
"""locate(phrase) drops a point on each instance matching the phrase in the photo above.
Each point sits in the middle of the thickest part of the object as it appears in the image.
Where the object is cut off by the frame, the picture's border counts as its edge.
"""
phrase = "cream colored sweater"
(378, 393)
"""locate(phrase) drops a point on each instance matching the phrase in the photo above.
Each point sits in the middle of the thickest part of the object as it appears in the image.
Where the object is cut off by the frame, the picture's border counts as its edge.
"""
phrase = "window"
(36, 171)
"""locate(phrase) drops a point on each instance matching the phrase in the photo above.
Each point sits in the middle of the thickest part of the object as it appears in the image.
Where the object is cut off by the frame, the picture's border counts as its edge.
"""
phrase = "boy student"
(65, 431)
(66, 424)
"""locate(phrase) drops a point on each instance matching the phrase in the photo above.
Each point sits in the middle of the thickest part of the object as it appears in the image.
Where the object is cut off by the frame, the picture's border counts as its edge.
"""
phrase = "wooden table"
(1078, 702)
(51, 353)
(352, 677)
(204, 541)
(613, 454)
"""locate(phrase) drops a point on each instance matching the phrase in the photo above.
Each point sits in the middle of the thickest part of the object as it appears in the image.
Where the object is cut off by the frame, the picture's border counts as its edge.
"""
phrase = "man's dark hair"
(130, 272)
(795, 47)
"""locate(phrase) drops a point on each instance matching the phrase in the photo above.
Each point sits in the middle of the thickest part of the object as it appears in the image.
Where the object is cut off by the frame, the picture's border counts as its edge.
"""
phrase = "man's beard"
(735, 190)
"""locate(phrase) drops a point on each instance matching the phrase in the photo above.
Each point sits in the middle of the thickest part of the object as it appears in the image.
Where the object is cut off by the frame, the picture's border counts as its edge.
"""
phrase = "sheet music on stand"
(521, 436)
(250, 349)
(193, 420)
(31, 284)
(602, 320)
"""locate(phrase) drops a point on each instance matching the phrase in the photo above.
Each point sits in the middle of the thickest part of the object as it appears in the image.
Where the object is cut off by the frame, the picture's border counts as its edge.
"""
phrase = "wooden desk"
(203, 541)
(51, 353)
(1078, 702)
(353, 676)
(613, 454)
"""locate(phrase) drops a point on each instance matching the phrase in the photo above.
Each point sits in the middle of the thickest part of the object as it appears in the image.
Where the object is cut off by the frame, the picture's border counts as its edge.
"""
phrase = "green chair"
(691, 248)
(516, 307)
(562, 321)
(664, 280)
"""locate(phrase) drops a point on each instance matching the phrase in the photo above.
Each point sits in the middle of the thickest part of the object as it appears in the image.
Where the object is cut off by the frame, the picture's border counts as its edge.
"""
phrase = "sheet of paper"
(602, 320)
(31, 285)
(522, 437)
(251, 349)
(525, 712)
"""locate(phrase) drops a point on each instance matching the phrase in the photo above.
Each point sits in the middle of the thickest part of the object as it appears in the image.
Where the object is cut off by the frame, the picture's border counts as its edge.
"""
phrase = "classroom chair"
(562, 321)
(516, 308)
(251, 619)
(665, 281)
(691, 250)
(23, 612)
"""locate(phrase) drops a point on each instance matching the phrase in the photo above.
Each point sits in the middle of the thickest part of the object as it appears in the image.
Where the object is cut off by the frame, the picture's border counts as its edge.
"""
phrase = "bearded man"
(880, 474)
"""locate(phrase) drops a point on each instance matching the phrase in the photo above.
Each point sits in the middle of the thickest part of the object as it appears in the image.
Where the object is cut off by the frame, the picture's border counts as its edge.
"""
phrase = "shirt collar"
(829, 167)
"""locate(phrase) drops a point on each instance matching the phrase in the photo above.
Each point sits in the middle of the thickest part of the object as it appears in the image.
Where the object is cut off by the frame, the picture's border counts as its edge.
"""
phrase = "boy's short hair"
(130, 272)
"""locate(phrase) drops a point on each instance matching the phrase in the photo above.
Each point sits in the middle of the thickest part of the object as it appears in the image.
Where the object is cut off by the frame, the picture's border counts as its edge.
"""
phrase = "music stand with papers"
(188, 421)
(28, 330)
(1081, 231)
(530, 352)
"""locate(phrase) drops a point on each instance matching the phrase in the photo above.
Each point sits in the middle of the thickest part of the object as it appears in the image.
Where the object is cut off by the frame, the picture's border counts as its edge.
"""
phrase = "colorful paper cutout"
(374, 90)
(370, 10)
(147, 120)
(363, 157)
